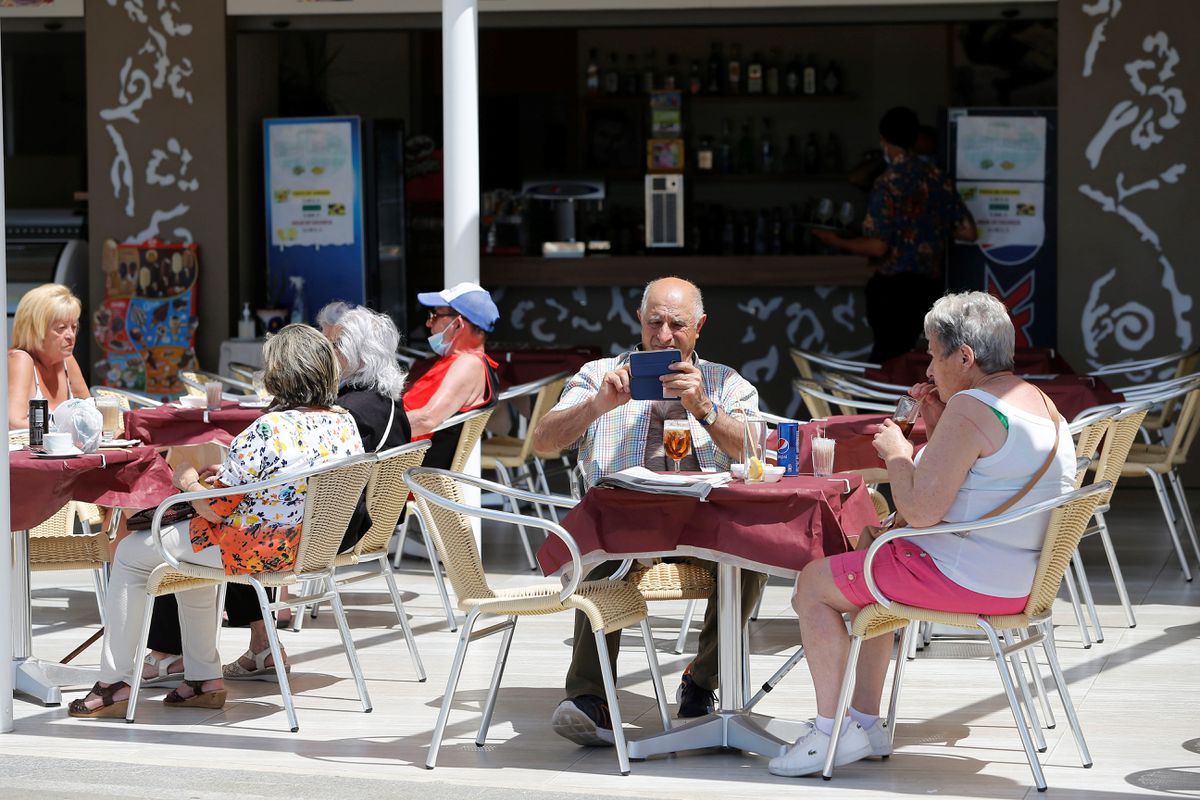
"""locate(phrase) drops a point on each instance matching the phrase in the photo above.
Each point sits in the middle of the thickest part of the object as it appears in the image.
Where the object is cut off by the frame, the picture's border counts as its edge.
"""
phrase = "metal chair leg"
(131, 709)
(98, 580)
(464, 638)
(1060, 683)
(515, 507)
(685, 626)
(774, 680)
(1018, 672)
(1014, 705)
(497, 675)
(614, 710)
(285, 688)
(220, 611)
(298, 612)
(660, 691)
(439, 579)
(1185, 510)
(1115, 567)
(910, 632)
(339, 616)
(1039, 687)
(544, 485)
(398, 602)
(911, 645)
(1085, 589)
(843, 704)
(1169, 514)
(1069, 582)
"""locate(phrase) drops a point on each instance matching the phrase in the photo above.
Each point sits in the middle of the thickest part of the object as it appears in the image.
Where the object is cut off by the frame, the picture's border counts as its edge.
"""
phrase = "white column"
(460, 125)
(460, 162)
(6, 566)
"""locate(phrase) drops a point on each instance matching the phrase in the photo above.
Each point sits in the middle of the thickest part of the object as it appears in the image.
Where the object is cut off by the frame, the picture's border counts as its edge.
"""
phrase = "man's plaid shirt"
(617, 440)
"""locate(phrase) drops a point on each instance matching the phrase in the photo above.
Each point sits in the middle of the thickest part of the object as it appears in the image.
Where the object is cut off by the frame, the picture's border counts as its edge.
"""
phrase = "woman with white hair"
(995, 442)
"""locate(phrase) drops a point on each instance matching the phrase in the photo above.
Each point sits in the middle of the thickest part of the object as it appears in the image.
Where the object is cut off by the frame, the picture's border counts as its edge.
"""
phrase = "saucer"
(72, 453)
(253, 403)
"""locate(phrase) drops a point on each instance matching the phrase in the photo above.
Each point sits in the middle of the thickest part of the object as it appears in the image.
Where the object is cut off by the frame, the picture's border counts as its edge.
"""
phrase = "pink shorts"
(906, 574)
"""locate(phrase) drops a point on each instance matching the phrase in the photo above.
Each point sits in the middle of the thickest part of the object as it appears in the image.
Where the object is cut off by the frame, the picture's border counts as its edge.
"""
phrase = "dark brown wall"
(174, 90)
(1130, 179)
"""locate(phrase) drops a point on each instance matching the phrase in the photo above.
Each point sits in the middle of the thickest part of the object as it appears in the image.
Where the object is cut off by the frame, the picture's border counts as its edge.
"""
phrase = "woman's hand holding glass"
(889, 441)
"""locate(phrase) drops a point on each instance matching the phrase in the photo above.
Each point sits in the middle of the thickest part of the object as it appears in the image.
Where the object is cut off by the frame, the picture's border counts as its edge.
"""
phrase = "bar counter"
(704, 271)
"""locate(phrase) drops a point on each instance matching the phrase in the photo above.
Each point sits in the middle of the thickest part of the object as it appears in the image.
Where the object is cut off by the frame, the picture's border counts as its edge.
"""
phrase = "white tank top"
(1001, 561)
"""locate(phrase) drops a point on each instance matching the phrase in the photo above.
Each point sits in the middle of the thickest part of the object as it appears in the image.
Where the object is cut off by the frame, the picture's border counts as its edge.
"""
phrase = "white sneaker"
(877, 735)
(807, 755)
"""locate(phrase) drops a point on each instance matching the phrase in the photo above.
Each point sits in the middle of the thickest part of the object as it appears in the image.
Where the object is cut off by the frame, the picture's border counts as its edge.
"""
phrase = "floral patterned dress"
(260, 531)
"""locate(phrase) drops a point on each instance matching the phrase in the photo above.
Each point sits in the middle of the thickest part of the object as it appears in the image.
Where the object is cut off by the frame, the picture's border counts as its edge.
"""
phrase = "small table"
(774, 528)
(172, 426)
(134, 477)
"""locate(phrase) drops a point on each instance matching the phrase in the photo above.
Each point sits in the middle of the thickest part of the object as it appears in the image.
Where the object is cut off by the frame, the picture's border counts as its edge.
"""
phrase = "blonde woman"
(40, 364)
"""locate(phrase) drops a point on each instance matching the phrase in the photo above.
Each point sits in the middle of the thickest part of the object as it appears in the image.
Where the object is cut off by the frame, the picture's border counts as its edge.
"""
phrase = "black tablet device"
(645, 369)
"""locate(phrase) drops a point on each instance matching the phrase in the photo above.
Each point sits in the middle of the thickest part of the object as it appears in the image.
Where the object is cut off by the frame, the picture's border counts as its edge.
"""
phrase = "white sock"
(865, 720)
(825, 724)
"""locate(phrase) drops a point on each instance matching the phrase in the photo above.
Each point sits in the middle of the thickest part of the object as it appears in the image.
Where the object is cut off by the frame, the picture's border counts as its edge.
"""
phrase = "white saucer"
(253, 403)
(72, 453)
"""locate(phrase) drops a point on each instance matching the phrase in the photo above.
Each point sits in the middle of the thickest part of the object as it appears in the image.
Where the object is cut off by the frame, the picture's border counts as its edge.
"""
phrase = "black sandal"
(107, 708)
(199, 697)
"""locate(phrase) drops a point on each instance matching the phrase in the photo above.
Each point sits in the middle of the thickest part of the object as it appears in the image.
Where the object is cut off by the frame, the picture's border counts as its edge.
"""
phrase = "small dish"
(253, 403)
(72, 453)
(771, 473)
(188, 401)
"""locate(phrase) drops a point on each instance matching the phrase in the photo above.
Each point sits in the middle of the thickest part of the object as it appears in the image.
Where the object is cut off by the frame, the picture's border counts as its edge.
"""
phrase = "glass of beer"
(905, 414)
(110, 416)
(677, 440)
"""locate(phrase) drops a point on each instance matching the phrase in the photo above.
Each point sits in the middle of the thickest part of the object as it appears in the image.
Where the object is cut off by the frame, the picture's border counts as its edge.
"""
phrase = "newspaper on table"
(640, 479)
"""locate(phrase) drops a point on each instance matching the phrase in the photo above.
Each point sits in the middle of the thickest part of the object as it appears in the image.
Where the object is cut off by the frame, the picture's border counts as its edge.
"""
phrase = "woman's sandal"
(163, 665)
(107, 708)
(199, 697)
(234, 671)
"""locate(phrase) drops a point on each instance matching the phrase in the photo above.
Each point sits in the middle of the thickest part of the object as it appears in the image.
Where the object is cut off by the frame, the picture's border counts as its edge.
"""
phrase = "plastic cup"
(213, 391)
(822, 456)
(110, 415)
(754, 449)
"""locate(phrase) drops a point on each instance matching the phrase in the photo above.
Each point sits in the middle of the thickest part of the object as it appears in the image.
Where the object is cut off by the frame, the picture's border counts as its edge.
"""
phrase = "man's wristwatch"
(710, 417)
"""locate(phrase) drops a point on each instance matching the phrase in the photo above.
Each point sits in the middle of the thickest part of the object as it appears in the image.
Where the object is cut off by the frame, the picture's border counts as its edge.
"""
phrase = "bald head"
(675, 292)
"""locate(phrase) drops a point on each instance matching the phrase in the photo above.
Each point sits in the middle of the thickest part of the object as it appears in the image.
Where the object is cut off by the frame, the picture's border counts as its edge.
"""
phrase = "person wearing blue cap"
(464, 378)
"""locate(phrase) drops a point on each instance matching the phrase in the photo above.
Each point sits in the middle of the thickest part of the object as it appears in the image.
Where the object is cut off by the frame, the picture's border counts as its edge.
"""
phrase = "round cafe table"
(132, 477)
(170, 425)
(774, 528)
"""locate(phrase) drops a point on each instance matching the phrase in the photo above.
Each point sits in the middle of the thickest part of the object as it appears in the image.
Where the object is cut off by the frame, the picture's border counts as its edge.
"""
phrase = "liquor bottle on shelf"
(695, 79)
(612, 77)
(831, 156)
(716, 70)
(771, 80)
(632, 78)
(593, 73)
(734, 84)
(793, 162)
(754, 75)
(793, 78)
(670, 80)
(767, 149)
(810, 76)
(812, 154)
(725, 150)
(832, 82)
(745, 150)
(704, 154)
(649, 74)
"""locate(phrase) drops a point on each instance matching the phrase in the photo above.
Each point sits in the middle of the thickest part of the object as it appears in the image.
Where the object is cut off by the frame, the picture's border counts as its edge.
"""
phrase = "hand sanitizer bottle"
(299, 310)
(246, 323)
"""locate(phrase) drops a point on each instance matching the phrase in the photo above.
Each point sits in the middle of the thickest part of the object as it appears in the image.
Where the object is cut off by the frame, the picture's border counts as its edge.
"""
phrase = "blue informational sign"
(314, 196)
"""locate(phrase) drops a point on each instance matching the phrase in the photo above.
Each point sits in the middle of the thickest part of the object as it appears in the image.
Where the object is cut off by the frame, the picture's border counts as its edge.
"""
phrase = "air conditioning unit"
(664, 211)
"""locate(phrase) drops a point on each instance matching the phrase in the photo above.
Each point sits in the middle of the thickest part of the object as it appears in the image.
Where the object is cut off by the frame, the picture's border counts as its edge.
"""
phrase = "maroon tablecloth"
(525, 366)
(135, 477)
(852, 435)
(910, 367)
(779, 527)
(170, 426)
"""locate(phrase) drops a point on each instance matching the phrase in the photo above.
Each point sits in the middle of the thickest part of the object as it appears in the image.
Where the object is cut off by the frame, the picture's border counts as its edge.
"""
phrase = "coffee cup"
(57, 443)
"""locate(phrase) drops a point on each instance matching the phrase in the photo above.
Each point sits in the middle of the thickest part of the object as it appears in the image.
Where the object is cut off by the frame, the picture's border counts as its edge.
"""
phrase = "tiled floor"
(1137, 695)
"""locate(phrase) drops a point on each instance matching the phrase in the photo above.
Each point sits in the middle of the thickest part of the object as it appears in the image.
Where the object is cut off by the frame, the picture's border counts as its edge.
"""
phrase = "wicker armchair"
(513, 458)
(194, 381)
(329, 502)
(609, 605)
(1007, 635)
(126, 398)
(473, 424)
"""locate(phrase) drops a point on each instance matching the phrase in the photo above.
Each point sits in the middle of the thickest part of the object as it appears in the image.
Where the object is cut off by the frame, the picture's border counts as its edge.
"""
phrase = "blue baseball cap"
(469, 299)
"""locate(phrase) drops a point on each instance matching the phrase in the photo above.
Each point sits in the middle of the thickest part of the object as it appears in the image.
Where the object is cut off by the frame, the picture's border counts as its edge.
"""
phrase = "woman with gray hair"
(995, 443)
(243, 533)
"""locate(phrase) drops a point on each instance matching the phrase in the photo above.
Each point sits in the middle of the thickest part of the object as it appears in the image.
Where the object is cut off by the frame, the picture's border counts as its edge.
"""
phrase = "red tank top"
(420, 393)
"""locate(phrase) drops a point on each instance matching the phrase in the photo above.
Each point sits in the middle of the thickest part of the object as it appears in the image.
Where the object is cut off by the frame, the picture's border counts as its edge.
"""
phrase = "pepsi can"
(789, 447)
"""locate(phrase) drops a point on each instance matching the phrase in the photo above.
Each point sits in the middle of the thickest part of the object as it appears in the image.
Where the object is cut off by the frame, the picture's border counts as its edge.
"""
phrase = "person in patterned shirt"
(240, 532)
(912, 212)
(595, 416)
